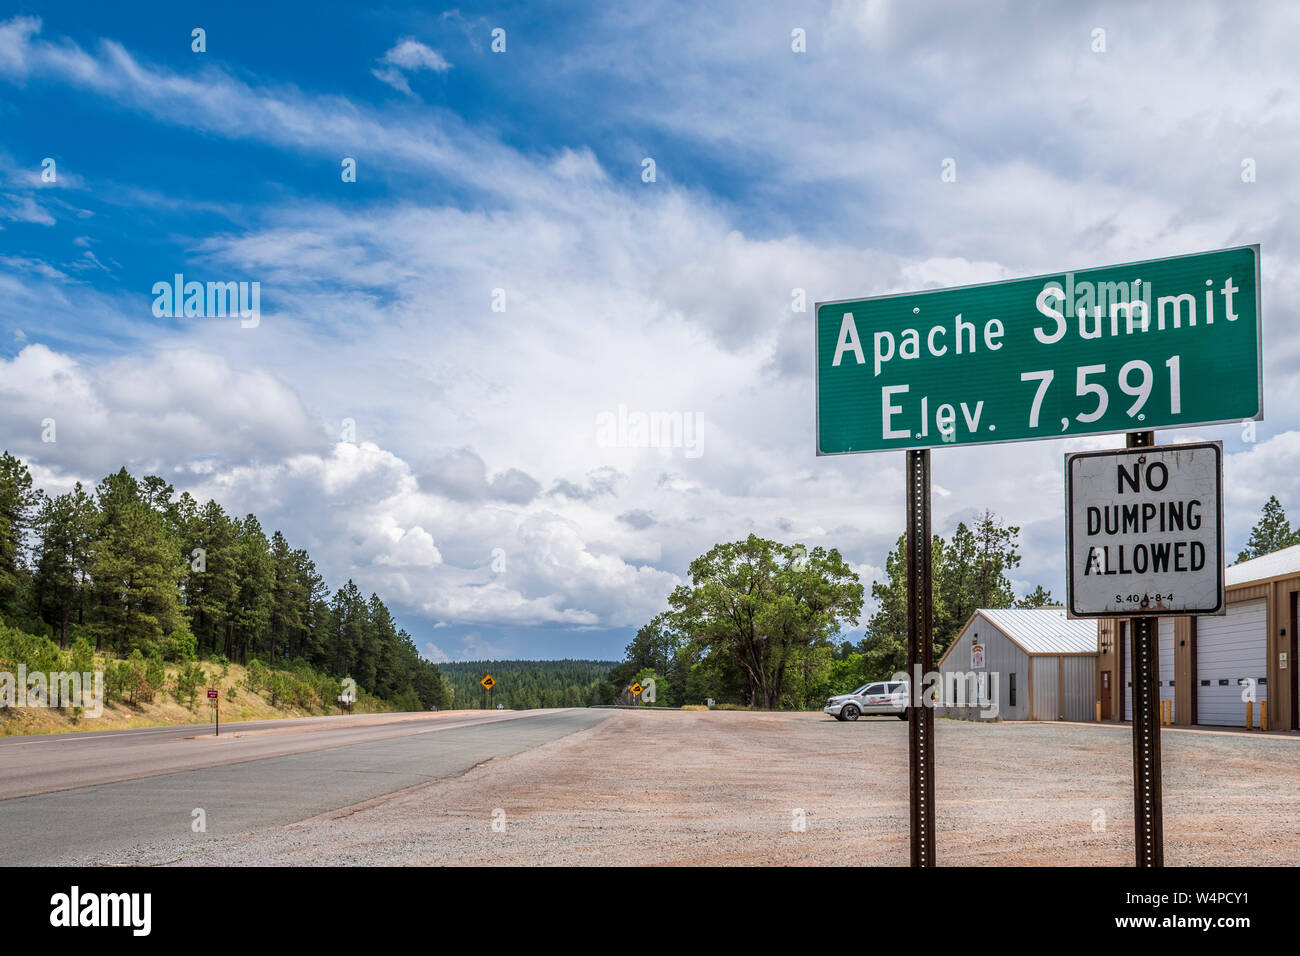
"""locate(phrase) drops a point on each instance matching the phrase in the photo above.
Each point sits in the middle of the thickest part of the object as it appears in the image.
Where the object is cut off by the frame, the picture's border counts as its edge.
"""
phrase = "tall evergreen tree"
(212, 587)
(145, 571)
(1272, 532)
(18, 503)
(256, 575)
(67, 526)
(134, 569)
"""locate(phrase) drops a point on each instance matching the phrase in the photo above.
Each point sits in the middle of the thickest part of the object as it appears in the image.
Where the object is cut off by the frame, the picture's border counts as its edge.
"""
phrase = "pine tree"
(1271, 533)
(18, 501)
(1036, 598)
(255, 574)
(212, 586)
(134, 569)
(67, 526)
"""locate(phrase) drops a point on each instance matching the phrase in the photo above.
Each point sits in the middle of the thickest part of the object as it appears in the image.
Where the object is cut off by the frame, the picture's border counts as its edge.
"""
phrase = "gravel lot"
(723, 788)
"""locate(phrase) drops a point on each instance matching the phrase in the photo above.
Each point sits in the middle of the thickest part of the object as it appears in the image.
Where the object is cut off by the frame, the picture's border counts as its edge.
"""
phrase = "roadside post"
(920, 657)
(1144, 540)
(488, 683)
(216, 708)
(1127, 348)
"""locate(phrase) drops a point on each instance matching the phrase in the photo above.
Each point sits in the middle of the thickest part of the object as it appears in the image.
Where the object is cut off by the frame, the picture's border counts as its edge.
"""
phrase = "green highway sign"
(1134, 347)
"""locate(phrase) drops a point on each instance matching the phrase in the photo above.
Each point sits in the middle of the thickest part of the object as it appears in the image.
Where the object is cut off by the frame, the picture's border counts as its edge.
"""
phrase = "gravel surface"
(732, 788)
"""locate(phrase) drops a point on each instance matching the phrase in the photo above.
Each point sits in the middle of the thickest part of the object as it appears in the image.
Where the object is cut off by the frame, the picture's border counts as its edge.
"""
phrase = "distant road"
(128, 795)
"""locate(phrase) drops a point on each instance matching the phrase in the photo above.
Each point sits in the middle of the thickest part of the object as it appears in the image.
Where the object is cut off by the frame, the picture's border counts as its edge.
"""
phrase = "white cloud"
(408, 55)
(476, 428)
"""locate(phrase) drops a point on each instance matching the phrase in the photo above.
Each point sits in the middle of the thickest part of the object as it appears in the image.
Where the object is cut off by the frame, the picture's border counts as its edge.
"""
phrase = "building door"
(1165, 646)
(1231, 649)
(1291, 664)
(1126, 692)
(1105, 695)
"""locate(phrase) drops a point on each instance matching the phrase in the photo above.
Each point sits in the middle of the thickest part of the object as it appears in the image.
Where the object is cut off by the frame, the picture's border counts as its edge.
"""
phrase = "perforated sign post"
(1144, 539)
(1162, 343)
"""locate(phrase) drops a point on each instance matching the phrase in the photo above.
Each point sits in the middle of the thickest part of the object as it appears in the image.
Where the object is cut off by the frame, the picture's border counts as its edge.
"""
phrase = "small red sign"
(212, 693)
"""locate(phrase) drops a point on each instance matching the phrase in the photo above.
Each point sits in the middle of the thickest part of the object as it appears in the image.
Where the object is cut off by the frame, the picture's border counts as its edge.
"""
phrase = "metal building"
(1208, 663)
(1036, 664)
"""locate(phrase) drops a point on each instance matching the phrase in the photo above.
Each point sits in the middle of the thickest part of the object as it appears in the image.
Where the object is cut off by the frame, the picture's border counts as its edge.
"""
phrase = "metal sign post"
(216, 708)
(1148, 817)
(1086, 352)
(920, 657)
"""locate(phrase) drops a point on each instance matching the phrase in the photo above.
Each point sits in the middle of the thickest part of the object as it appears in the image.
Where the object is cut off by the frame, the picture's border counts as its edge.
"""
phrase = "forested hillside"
(131, 566)
(526, 684)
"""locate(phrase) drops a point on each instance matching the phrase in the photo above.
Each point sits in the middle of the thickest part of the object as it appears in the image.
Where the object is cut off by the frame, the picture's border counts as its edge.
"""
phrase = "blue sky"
(475, 495)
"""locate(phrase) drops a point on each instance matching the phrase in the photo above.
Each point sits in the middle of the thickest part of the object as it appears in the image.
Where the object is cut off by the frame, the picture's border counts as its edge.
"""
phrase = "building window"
(1013, 691)
(1205, 683)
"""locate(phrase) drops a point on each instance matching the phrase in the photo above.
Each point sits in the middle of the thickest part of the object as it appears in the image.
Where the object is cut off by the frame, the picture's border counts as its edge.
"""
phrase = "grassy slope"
(237, 703)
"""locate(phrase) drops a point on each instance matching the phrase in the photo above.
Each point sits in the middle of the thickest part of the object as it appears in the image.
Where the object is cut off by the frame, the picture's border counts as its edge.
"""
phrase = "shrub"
(257, 675)
(137, 686)
(82, 656)
(36, 653)
(180, 646)
(155, 674)
(117, 680)
(188, 680)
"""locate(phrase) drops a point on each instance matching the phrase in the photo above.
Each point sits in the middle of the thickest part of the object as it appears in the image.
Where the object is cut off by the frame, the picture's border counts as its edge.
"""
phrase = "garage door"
(1166, 662)
(1167, 659)
(1127, 690)
(1230, 649)
(1047, 688)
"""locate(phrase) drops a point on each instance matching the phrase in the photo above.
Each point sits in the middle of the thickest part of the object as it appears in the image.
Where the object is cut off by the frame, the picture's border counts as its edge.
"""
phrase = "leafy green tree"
(761, 603)
(660, 685)
(1272, 532)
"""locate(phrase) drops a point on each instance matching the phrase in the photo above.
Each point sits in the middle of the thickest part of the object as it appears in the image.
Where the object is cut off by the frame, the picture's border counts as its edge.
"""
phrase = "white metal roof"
(1286, 561)
(1044, 630)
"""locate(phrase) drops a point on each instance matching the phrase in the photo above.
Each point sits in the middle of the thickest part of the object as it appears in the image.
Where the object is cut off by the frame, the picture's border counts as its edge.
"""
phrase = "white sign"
(1144, 531)
(977, 657)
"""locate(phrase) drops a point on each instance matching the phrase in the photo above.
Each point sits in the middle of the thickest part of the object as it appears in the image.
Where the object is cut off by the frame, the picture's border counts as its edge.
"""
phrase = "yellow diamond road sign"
(636, 689)
(488, 682)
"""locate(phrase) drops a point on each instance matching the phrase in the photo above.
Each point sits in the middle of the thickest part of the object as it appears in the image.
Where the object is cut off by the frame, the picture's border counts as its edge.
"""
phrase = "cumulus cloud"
(477, 427)
(638, 518)
(462, 475)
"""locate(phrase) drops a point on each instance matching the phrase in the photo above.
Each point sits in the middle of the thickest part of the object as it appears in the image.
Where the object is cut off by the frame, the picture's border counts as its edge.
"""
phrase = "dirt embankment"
(237, 703)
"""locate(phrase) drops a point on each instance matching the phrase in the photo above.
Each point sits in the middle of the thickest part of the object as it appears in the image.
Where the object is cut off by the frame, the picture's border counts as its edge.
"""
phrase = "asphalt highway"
(130, 796)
